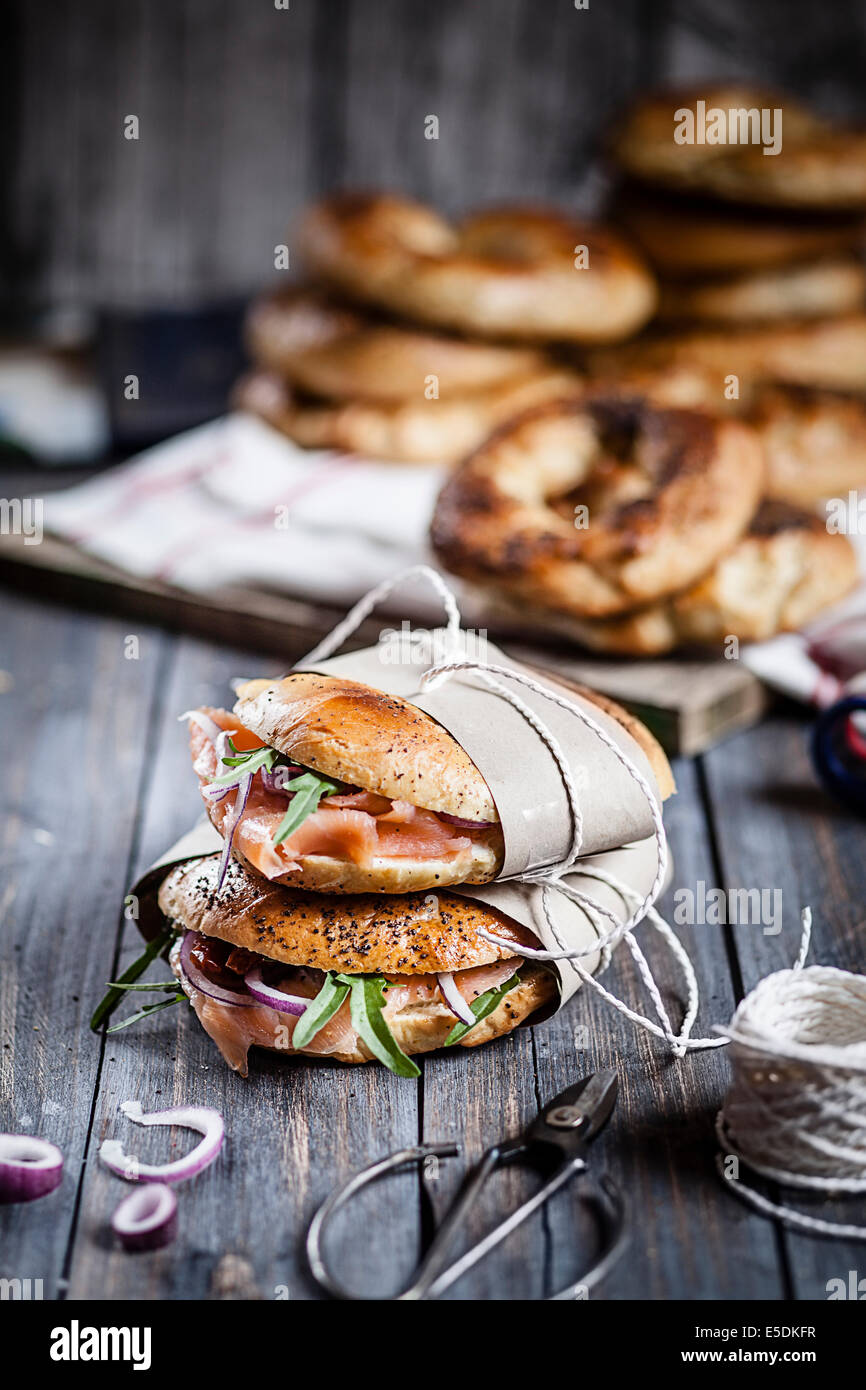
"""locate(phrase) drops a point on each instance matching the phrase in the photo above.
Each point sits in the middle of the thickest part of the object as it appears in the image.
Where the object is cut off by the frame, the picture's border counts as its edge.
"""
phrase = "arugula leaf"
(367, 1002)
(307, 792)
(105, 1008)
(250, 762)
(319, 1011)
(148, 1009)
(481, 1007)
(165, 985)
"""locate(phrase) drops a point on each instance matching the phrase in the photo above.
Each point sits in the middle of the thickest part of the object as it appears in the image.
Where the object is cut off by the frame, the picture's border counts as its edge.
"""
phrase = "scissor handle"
(315, 1235)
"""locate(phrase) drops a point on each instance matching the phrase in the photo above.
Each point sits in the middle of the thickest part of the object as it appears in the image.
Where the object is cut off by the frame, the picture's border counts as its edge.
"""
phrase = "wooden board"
(689, 703)
(101, 783)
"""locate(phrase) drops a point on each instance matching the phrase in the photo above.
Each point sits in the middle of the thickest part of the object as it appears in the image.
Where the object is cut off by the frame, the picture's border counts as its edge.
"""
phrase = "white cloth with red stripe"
(234, 503)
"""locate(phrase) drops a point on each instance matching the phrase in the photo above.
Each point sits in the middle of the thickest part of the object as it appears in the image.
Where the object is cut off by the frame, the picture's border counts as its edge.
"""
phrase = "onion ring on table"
(667, 492)
(328, 350)
(683, 238)
(785, 571)
(816, 290)
(819, 165)
(510, 273)
(410, 431)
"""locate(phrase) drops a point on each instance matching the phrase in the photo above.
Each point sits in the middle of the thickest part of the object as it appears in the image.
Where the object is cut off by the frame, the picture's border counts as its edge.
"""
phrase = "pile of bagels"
(642, 420)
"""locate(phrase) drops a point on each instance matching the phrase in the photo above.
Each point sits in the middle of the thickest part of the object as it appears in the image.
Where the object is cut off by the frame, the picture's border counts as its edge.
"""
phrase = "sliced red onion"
(231, 825)
(454, 999)
(462, 824)
(205, 723)
(147, 1218)
(29, 1167)
(275, 781)
(208, 1122)
(274, 998)
(200, 981)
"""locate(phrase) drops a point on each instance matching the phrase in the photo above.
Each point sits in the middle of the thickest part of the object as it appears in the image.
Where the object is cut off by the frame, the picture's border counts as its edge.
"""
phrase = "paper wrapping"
(530, 797)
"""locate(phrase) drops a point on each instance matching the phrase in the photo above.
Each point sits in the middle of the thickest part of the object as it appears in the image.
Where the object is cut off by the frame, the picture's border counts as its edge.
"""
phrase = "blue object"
(839, 751)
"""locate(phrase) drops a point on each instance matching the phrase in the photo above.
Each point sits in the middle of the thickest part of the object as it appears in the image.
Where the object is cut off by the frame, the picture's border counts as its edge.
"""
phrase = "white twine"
(796, 1108)
(795, 1112)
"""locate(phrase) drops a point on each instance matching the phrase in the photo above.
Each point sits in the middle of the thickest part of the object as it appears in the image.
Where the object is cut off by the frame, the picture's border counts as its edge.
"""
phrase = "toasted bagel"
(784, 572)
(685, 238)
(667, 493)
(506, 273)
(814, 290)
(330, 351)
(362, 736)
(828, 353)
(367, 933)
(408, 431)
(819, 165)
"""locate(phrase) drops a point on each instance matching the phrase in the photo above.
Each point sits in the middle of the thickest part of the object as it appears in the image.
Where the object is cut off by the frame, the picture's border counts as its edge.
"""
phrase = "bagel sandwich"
(323, 783)
(352, 978)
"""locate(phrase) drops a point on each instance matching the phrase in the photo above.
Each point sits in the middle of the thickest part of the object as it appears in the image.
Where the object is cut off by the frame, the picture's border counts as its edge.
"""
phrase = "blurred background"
(247, 109)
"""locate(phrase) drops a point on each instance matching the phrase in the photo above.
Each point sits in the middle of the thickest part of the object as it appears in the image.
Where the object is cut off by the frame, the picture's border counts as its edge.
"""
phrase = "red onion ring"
(231, 826)
(274, 998)
(208, 1122)
(147, 1218)
(200, 981)
(29, 1168)
(462, 824)
(454, 999)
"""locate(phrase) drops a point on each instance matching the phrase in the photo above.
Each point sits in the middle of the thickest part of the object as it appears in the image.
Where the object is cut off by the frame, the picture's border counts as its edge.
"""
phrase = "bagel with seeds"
(595, 504)
(510, 273)
(818, 165)
(409, 431)
(781, 575)
(328, 350)
(249, 946)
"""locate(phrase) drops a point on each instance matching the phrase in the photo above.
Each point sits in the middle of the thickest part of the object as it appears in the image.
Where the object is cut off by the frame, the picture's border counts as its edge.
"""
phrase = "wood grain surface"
(97, 783)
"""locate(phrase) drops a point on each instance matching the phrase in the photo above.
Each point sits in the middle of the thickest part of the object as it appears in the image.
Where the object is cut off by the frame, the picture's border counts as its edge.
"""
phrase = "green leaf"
(481, 1007)
(319, 1011)
(148, 1009)
(250, 762)
(368, 999)
(308, 790)
(160, 984)
(105, 1008)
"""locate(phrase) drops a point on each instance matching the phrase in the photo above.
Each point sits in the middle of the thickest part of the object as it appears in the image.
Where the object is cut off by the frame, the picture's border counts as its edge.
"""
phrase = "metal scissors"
(555, 1144)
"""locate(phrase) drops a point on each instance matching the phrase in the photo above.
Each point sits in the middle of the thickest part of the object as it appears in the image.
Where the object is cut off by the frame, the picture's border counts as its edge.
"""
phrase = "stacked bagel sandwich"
(332, 923)
(414, 337)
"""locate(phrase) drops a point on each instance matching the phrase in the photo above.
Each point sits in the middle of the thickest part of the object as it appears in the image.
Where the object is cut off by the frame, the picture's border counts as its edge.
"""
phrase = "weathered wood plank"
(686, 1241)
(71, 718)
(777, 831)
(294, 1129)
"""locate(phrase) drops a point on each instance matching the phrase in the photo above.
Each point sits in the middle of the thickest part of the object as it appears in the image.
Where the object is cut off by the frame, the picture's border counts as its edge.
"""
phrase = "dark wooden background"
(247, 111)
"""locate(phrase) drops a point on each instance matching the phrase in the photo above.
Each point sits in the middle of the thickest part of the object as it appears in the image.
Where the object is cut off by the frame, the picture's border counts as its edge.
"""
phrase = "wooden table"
(97, 783)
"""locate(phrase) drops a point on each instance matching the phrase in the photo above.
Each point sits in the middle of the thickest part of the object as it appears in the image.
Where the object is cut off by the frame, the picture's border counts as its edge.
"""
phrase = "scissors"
(555, 1144)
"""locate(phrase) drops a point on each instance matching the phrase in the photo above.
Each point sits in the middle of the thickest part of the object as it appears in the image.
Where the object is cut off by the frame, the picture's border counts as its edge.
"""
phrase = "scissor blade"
(583, 1109)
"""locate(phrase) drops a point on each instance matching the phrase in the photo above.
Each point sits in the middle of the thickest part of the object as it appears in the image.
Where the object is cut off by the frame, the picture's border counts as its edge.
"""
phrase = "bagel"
(409, 940)
(814, 440)
(826, 353)
(815, 290)
(684, 238)
(507, 273)
(410, 431)
(819, 165)
(667, 492)
(327, 350)
(785, 571)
